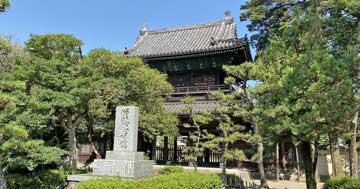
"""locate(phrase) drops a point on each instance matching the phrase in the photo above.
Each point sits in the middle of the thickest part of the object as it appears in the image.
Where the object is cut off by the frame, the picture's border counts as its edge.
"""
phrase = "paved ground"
(245, 175)
(288, 185)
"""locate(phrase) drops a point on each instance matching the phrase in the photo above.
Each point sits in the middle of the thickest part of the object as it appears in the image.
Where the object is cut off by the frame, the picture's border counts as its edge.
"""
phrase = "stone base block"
(123, 168)
(131, 156)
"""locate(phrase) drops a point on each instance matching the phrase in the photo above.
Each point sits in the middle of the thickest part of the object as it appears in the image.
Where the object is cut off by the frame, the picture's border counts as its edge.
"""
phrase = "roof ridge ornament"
(213, 42)
(126, 52)
(228, 15)
(143, 29)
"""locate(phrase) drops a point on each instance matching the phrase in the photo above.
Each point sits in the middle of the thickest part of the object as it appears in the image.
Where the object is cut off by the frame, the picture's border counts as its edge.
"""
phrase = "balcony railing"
(201, 89)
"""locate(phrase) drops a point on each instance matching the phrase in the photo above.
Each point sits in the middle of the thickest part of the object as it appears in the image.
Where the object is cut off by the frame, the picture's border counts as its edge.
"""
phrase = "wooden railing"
(211, 159)
(201, 89)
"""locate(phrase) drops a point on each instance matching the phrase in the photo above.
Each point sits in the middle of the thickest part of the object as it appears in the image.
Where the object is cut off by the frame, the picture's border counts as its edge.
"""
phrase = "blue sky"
(110, 24)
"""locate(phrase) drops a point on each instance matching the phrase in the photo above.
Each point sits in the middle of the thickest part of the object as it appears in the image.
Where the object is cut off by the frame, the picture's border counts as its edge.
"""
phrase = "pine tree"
(306, 88)
(20, 147)
(230, 132)
(197, 136)
(4, 4)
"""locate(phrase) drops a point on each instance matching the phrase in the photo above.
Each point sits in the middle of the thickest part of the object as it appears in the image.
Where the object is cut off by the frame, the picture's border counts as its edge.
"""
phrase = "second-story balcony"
(193, 90)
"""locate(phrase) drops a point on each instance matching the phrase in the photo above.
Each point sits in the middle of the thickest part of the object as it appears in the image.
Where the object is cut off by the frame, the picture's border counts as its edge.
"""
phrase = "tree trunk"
(260, 151)
(260, 145)
(283, 156)
(2, 179)
(90, 133)
(297, 162)
(277, 163)
(353, 155)
(195, 165)
(335, 156)
(308, 153)
(223, 162)
(197, 145)
(223, 170)
(175, 151)
(166, 149)
(72, 148)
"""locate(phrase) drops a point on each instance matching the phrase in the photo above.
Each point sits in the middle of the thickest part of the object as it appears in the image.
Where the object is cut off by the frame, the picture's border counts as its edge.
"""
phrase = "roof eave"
(244, 46)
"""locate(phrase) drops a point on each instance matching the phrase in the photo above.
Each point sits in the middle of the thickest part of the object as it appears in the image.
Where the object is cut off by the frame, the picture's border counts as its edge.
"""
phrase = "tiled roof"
(198, 107)
(207, 37)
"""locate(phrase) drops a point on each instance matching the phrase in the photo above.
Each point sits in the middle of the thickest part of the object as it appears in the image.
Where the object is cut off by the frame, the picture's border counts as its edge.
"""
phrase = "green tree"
(84, 92)
(49, 79)
(306, 87)
(113, 80)
(341, 32)
(4, 4)
(268, 17)
(245, 108)
(230, 132)
(197, 135)
(20, 150)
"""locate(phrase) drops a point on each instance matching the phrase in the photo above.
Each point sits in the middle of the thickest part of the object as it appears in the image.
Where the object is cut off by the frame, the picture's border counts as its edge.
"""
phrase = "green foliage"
(198, 136)
(8, 53)
(56, 89)
(4, 4)
(28, 154)
(113, 80)
(342, 183)
(308, 69)
(17, 151)
(312, 89)
(55, 179)
(171, 181)
(267, 18)
(56, 46)
(171, 169)
(234, 154)
(230, 131)
(183, 181)
(161, 123)
(106, 183)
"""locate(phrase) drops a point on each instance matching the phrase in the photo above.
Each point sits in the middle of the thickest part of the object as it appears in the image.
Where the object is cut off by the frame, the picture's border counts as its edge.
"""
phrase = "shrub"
(107, 183)
(342, 183)
(55, 179)
(171, 181)
(171, 169)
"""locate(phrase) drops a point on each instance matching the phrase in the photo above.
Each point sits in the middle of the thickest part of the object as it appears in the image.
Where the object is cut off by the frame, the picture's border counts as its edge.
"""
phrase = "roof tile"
(198, 107)
(212, 36)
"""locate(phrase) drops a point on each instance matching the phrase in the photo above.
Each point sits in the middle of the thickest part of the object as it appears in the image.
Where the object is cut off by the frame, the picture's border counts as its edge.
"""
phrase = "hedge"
(342, 183)
(54, 179)
(171, 181)
(171, 169)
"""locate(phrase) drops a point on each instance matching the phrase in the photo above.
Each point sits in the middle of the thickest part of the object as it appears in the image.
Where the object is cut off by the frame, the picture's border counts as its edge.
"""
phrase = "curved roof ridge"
(187, 27)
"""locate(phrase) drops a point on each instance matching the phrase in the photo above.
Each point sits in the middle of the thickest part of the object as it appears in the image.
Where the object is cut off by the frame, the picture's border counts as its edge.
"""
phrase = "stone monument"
(124, 161)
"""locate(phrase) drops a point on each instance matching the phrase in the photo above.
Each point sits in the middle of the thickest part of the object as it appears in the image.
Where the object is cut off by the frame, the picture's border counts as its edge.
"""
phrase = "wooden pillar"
(175, 151)
(207, 156)
(166, 149)
(153, 150)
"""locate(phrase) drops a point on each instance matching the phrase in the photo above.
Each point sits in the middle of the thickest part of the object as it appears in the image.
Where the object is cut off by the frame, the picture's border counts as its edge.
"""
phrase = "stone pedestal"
(123, 164)
(124, 161)
(123, 168)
